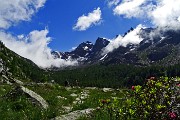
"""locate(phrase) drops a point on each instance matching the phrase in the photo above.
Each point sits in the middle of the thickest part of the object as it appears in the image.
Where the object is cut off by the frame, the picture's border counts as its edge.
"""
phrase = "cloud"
(129, 8)
(161, 13)
(12, 12)
(34, 46)
(130, 38)
(112, 2)
(179, 18)
(85, 22)
(166, 14)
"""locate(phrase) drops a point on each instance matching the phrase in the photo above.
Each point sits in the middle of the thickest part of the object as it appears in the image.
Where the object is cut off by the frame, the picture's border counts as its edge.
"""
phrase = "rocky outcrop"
(74, 115)
(35, 96)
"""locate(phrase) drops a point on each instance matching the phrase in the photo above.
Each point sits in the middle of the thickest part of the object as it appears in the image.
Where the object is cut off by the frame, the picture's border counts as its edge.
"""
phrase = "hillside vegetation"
(18, 66)
(100, 75)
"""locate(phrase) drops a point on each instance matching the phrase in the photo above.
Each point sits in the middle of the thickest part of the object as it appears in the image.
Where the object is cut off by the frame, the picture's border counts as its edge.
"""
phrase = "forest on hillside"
(117, 75)
(113, 75)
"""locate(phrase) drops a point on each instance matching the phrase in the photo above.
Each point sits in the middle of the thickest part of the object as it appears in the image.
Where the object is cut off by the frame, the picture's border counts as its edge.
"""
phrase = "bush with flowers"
(158, 99)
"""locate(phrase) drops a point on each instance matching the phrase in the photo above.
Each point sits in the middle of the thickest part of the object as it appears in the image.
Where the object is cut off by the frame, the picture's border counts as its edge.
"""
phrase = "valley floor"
(51, 101)
(157, 99)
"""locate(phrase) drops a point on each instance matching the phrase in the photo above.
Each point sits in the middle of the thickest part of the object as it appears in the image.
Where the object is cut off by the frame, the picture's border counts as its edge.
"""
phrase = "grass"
(18, 107)
(22, 108)
(4, 88)
(94, 101)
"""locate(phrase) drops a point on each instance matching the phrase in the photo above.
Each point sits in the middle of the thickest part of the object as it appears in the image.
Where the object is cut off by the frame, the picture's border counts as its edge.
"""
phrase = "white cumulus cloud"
(130, 38)
(166, 14)
(112, 2)
(179, 18)
(85, 22)
(129, 8)
(161, 13)
(34, 46)
(14, 11)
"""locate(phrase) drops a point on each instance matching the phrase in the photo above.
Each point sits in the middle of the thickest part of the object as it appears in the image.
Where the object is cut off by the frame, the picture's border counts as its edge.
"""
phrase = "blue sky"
(60, 16)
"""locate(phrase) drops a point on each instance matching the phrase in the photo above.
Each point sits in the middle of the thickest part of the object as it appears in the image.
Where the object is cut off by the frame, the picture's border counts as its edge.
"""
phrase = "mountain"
(156, 55)
(12, 65)
(156, 48)
(85, 53)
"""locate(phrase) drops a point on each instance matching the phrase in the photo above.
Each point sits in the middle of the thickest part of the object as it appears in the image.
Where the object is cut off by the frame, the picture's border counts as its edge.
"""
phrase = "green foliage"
(155, 100)
(158, 99)
(113, 76)
(4, 89)
(19, 108)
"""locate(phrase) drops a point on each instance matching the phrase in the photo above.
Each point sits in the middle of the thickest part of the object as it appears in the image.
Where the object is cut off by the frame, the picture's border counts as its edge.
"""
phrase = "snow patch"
(86, 48)
(103, 57)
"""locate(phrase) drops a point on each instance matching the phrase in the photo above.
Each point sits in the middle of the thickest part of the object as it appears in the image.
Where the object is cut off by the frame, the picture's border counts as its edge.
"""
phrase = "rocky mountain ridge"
(157, 47)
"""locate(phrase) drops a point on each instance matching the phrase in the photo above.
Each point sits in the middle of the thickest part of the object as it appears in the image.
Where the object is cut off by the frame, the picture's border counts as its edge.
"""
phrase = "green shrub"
(158, 99)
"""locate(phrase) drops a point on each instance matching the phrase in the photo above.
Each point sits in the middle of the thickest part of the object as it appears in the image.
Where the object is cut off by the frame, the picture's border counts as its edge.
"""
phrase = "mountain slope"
(156, 48)
(16, 66)
(85, 53)
(123, 67)
(159, 49)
